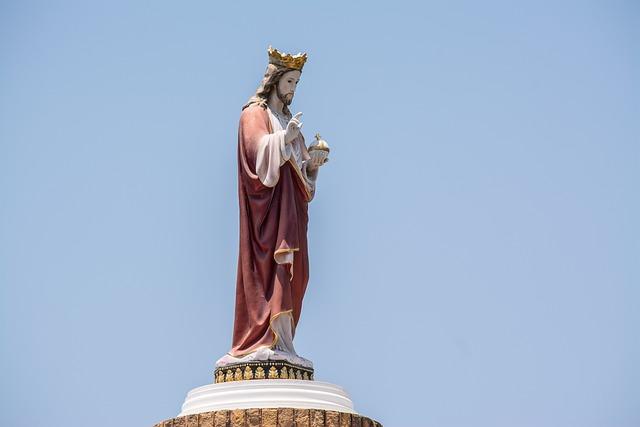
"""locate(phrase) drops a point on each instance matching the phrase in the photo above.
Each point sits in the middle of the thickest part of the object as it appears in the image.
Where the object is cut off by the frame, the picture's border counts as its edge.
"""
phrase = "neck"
(274, 102)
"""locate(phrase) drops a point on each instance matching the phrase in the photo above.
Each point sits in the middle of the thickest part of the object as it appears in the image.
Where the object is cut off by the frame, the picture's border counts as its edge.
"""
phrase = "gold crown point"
(287, 60)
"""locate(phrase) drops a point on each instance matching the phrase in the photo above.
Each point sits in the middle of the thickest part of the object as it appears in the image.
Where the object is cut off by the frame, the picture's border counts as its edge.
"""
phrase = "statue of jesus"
(276, 181)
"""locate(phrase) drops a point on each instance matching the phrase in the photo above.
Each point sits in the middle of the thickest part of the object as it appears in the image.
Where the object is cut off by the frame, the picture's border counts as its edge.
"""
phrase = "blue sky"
(474, 242)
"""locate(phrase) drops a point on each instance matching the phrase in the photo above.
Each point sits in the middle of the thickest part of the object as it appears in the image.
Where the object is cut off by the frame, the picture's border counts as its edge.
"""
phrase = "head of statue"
(280, 79)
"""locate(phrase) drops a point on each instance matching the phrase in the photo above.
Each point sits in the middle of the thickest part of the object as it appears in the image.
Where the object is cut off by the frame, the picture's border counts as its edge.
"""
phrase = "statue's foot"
(291, 358)
(264, 354)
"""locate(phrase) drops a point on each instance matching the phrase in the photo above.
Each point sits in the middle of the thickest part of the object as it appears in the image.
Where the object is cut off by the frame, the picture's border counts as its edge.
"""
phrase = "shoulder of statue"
(255, 107)
(254, 111)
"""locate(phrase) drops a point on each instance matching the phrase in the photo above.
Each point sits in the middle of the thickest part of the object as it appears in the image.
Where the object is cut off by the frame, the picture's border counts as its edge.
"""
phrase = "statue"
(262, 381)
(277, 176)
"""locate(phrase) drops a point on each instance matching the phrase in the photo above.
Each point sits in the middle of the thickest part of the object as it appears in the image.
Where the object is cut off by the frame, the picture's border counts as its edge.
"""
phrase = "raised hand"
(293, 128)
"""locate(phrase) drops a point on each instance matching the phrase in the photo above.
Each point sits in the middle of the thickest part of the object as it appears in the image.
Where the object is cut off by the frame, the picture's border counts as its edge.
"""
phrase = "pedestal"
(268, 403)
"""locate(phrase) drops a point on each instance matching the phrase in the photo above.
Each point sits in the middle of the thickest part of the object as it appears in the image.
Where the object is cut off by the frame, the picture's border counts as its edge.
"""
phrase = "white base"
(267, 394)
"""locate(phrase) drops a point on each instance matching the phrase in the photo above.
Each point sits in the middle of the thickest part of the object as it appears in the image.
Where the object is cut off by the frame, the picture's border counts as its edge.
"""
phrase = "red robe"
(272, 220)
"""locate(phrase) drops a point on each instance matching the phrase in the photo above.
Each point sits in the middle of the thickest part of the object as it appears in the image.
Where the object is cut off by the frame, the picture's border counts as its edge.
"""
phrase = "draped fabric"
(273, 264)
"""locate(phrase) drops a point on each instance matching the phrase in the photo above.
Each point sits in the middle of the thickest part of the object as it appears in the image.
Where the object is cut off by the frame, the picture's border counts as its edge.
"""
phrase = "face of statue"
(286, 86)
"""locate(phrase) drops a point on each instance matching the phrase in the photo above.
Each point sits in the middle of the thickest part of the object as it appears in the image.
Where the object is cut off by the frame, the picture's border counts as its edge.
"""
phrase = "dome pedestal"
(268, 403)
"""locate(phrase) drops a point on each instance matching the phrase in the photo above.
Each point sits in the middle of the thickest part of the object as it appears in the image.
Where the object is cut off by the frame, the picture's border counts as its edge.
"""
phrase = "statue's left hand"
(318, 158)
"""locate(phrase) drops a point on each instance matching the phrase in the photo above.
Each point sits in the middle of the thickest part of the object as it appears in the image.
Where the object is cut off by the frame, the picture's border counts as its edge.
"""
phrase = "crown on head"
(295, 62)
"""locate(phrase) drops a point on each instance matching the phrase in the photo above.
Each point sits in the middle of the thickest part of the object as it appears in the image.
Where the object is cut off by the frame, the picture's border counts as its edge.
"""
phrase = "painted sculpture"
(277, 174)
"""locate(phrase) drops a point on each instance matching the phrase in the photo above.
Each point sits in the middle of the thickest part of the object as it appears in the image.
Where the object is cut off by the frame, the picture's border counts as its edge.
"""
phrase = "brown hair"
(271, 78)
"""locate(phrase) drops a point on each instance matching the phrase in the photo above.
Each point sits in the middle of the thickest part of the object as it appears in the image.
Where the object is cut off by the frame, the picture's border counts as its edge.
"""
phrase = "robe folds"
(273, 263)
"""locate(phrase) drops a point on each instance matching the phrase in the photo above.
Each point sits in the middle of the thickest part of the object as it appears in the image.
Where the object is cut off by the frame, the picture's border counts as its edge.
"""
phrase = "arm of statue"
(260, 149)
(271, 154)
(311, 166)
(274, 150)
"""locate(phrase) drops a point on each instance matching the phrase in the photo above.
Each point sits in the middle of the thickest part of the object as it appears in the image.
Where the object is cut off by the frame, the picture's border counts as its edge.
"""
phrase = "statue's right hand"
(293, 128)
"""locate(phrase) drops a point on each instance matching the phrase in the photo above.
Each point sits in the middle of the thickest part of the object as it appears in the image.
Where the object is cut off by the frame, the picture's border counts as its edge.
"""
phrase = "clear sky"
(474, 241)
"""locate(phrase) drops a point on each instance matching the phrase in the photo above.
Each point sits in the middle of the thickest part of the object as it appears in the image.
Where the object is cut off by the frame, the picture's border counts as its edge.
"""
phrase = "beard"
(286, 98)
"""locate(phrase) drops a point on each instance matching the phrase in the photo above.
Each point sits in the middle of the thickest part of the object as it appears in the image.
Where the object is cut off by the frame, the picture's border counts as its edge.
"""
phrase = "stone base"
(268, 403)
(271, 417)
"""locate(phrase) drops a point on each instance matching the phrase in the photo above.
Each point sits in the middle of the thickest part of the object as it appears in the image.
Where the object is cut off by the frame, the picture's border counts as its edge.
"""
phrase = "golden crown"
(295, 62)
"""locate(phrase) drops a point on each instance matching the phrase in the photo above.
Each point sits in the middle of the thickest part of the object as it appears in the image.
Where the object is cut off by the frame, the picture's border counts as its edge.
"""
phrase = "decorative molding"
(259, 370)
(271, 417)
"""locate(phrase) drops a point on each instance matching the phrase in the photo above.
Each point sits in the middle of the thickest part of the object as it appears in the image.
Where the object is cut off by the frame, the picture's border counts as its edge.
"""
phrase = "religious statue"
(262, 381)
(277, 176)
